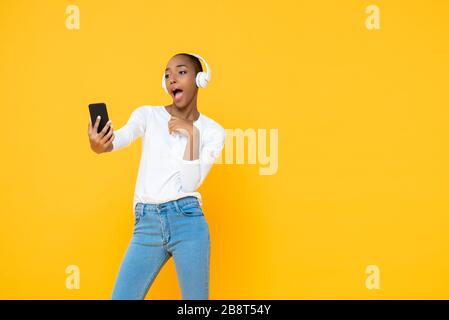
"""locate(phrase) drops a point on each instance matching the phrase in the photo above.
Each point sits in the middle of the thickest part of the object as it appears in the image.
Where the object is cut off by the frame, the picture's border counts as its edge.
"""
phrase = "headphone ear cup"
(201, 80)
(163, 84)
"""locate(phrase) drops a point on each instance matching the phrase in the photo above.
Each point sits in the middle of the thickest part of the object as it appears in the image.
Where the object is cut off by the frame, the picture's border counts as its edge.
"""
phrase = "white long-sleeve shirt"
(163, 173)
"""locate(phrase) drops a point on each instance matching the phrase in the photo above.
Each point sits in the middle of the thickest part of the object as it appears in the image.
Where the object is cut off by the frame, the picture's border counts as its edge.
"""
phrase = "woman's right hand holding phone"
(100, 142)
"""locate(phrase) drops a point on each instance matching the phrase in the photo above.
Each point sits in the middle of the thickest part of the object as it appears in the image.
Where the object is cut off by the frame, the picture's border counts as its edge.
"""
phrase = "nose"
(171, 79)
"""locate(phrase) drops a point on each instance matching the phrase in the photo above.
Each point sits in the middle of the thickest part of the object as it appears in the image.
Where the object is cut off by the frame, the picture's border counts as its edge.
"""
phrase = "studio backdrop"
(333, 181)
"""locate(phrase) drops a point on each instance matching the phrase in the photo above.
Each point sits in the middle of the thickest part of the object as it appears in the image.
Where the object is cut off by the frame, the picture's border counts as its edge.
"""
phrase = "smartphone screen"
(99, 109)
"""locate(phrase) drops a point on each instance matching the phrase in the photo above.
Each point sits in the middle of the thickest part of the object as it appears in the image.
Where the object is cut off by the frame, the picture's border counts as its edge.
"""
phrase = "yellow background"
(363, 138)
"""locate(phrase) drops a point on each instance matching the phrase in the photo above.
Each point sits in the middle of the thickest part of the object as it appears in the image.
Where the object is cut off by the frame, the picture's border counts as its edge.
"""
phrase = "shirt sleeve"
(193, 172)
(133, 129)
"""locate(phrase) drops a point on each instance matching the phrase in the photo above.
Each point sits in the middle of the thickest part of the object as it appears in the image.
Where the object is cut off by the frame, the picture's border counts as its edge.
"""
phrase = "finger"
(97, 122)
(107, 144)
(107, 136)
(89, 127)
(111, 138)
(175, 126)
(105, 128)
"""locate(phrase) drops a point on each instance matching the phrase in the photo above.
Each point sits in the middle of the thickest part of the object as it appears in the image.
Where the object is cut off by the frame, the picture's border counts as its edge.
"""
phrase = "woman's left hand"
(184, 127)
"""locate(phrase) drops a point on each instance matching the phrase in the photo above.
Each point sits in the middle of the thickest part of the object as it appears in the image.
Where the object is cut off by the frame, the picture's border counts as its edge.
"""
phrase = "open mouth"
(177, 94)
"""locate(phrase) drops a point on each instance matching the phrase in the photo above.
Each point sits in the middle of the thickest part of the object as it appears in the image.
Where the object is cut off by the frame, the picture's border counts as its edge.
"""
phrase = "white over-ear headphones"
(202, 78)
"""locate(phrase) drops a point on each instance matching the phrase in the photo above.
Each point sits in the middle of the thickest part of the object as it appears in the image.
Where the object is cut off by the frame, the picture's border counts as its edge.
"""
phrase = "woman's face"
(180, 80)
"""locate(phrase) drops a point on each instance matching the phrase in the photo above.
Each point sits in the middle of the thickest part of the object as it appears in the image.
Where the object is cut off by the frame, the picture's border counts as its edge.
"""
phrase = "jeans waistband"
(172, 203)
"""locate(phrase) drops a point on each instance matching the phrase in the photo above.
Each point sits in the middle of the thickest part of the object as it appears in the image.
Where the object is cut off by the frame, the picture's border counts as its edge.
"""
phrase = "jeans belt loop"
(177, 206)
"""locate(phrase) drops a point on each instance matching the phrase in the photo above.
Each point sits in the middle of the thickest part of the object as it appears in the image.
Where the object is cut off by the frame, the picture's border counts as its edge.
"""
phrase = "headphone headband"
(205, 63)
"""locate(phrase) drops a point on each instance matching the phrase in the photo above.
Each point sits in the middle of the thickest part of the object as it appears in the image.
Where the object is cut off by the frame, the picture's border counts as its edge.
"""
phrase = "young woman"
(179, 147)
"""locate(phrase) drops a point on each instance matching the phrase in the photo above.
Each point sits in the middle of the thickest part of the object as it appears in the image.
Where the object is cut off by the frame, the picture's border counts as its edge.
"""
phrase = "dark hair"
(196, 62)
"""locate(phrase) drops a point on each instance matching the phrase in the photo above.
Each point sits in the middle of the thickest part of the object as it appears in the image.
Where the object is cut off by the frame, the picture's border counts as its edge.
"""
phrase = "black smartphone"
(99, 109)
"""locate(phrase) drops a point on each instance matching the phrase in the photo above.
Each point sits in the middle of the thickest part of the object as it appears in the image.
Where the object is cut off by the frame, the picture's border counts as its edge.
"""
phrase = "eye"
(166, 76)
(183, 71)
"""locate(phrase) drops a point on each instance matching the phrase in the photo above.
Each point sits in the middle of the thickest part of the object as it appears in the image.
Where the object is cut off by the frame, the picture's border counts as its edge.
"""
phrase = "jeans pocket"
(191, 209)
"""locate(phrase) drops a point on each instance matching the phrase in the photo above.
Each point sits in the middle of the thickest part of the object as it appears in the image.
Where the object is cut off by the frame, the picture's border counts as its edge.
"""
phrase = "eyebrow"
(179, 65)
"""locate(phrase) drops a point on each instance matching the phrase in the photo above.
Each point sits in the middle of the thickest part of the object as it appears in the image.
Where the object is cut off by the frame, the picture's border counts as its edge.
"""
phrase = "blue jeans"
(175, 228)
